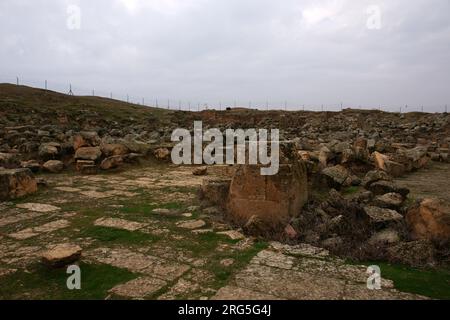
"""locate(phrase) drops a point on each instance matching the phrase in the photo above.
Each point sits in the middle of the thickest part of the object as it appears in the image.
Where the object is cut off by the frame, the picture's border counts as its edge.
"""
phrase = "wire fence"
(186, 105)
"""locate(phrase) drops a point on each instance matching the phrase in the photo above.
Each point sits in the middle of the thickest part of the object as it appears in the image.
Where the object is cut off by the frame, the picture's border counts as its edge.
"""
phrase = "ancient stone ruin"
(94, 186)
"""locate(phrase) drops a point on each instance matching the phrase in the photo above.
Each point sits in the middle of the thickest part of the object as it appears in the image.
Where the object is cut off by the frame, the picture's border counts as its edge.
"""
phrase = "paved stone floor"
(146, 224)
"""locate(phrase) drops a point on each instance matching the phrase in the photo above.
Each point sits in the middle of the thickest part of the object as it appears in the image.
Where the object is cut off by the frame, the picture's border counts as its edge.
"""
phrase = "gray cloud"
(305, 52)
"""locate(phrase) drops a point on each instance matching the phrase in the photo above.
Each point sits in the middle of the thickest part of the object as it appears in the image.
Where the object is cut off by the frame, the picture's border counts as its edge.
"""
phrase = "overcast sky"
(368, 53)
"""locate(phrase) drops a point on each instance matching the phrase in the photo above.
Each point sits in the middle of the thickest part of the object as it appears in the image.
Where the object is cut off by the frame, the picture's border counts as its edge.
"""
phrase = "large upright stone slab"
(274, 200)
(16, 183)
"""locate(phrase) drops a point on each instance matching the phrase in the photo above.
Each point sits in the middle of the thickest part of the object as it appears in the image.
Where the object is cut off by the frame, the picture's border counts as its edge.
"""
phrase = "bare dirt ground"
(431, 181)
(144, 237)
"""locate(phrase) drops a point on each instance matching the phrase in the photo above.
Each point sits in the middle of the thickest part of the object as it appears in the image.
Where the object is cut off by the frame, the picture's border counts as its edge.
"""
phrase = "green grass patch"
(138, 209)
(351, 190)
(43, 283)
(116, 236)
(430, 283)
(203, 244)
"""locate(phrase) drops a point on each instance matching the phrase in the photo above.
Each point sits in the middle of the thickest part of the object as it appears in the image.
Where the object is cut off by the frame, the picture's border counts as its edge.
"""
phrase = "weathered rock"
(290, 232)
(232, 234)
(416, 253)
(191, 225)
(255, 226)
(49, 150)
(33, 165)
(383, 162)
(333, 244)
(418, 157)
(430, 220)
(361, 143)
(53, 166)
(336, 176)
(89, 170)
(389, 201)
(84, 163)
(111, 162)
(275, 200)
(335, 224)
(61, 255)
(16, 183)
(383, 187)
(138, 288)
(324, 156)
(361, 149)
(382, 217)
(38, 207)
(134, 145)
(347, 156)
(88, 139)
(227, 262)
(79, 142)
(35, 231)
(116, 149)
(162, 154)
(163, 211)
(88, 153)
(119, 224)
(383, 237)
(133, 157)
(215, 191)
(9, 160)
(375, 176)
(201, 171)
